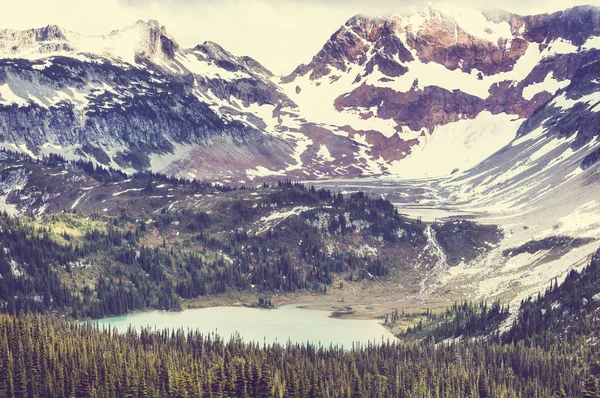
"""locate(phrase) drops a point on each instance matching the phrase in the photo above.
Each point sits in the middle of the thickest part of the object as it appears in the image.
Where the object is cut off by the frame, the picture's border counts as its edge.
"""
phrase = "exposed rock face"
(159, 42)
(43, 40)
(379, 91)
(112, 114)
(576, 25)
(393, 148)
(434, 106)
(123, 106)
(442, 41)
(574, 113)
(417, 109)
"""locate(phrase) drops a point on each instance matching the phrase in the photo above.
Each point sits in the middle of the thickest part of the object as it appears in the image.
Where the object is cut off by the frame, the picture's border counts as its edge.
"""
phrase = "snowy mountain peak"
(43, 40)
(482, 42)
(50, 32)
(153, 25)
(381, 96)
(46, 33)
(151, 22)
(143, 40)
(213, 50)
(212, 53)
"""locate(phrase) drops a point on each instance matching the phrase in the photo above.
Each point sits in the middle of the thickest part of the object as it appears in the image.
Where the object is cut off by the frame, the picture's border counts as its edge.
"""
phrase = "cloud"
(281, 34)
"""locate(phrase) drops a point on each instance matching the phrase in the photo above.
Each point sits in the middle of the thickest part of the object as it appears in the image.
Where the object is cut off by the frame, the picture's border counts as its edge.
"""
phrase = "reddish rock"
(451, 46)
(417, 109)
(390, 149)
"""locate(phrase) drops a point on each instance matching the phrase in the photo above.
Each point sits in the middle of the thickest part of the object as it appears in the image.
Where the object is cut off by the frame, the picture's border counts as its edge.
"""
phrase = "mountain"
(502, 107)
(129, 98)
(383, 96)
(541, 189)
(443, 83)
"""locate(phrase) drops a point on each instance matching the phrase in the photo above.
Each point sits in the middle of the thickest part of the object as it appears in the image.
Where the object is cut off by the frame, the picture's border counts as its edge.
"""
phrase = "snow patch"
(278, 216)
(208, 70)
(324, 154)
(461, 145)
(285, 214)
(9, 97)
(76, 203)
(549, 85)
(261, 171)
(128, 190)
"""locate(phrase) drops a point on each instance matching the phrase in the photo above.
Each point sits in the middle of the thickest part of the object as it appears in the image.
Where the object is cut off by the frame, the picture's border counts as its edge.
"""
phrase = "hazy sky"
(279, 33)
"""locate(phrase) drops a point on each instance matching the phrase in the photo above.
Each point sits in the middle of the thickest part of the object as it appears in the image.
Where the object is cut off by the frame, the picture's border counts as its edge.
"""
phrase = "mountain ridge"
(380, 95)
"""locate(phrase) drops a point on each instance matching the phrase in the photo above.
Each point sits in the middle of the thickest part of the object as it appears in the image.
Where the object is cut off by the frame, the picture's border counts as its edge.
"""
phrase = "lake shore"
(282, 325)
(354, 301)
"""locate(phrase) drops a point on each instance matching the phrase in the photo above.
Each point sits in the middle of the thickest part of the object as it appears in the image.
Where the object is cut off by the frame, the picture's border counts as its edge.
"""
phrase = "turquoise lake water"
(287, 323)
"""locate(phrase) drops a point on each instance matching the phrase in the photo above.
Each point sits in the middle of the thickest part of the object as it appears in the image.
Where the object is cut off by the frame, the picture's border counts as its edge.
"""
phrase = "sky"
(280, 34)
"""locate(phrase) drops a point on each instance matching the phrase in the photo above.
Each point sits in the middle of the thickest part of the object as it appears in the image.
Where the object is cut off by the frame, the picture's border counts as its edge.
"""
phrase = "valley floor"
(547, 232)
(361, 300)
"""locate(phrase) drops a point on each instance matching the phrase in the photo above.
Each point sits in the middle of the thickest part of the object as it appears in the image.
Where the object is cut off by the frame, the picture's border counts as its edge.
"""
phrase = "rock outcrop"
(380, 92)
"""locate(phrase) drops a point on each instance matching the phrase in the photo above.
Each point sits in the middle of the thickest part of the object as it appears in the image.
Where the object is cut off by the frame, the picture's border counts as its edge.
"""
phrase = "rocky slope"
(449, 84)
(384, 96)
(129, 98)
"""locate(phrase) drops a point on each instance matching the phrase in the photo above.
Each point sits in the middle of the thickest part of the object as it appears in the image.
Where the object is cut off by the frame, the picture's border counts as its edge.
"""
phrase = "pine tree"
(357, 387)
(265, 384)
(590, 387)
(559, 390)
(241, 390)
(19, 375)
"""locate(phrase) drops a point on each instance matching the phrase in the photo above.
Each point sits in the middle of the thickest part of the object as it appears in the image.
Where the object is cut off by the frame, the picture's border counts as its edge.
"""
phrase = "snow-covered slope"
(129, 45)
(132, 99)
(453, 85)
(384, 96)
(542, 189)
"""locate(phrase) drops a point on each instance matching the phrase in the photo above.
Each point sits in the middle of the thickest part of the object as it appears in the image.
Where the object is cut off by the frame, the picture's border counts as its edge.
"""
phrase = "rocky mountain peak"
(214, 53)
(152, 25)
(152, 22)
(43, 40)
(213, 50)
(454, 38)
(154, 40)
(50, 32)
(143, 40)
(256, 66)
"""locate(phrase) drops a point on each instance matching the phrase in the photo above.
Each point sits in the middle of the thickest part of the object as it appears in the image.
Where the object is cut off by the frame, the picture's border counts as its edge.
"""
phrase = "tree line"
(44, 357)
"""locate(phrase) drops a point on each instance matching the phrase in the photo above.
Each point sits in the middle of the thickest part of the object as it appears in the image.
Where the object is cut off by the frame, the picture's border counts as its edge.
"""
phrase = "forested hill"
(54, 358)
(97, 242)
(567, 311)
(538, 358)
